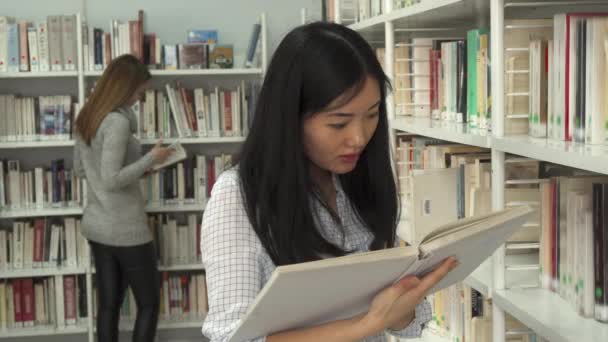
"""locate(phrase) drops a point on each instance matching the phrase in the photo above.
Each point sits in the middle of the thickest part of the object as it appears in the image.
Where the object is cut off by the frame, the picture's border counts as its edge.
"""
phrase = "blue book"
(203, 36)
(12, 33)
(253, 43)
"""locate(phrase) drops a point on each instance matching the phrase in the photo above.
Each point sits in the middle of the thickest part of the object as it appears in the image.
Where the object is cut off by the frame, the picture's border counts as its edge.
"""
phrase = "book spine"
(600, 238)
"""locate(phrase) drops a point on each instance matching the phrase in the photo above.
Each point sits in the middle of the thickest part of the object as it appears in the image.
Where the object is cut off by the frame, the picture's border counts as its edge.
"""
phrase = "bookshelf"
(40, 74)
(543, 311)
(449, 131)
(40, 331)
(195, 72)
(34, 151)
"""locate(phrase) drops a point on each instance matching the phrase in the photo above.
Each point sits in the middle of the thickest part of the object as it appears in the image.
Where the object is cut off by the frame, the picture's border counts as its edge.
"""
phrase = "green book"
(472, 48)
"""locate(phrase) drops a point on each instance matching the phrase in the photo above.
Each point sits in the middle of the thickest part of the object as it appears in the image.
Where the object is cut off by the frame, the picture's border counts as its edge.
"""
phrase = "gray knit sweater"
(112, 165)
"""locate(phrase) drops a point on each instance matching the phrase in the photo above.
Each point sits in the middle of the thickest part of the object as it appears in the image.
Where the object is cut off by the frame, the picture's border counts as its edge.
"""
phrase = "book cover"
(342, 287)
(221, 57)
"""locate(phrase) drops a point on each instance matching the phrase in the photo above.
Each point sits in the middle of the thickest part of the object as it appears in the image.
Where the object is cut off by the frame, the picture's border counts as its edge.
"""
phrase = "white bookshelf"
(147, 141)
(498, 277)
(422, 12)
(450, 131)
(586, 157)
(78, 81)
(75, 211)
(195, 72)
(36, 144)
(40, 74)
(43, 331)
(195, 140)
(29, 213)
(175, 208)
(192, 323)
(41, 272)
(186, 267)
(549, 315)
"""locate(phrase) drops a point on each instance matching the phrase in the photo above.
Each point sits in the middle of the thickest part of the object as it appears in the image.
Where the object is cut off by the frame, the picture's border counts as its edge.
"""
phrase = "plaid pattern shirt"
(237, 265)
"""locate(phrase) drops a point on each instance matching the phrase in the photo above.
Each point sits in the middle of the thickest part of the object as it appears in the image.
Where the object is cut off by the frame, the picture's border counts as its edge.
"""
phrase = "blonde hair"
(114, 89)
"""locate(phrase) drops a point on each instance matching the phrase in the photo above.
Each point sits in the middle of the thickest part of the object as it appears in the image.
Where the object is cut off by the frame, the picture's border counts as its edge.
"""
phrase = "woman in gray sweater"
(109, 157)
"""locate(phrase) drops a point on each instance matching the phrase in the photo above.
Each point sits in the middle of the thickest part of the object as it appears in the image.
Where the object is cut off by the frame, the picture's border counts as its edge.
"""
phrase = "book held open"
(178, 155)
(312, 293)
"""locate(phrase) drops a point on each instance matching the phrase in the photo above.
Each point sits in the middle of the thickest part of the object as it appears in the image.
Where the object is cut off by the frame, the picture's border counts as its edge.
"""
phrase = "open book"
(312, 293)
(178, 155)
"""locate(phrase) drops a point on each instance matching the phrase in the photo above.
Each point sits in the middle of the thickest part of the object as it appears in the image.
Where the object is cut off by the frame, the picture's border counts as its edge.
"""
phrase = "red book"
(69, 299)
(198, 241)
(140, 37)
(227, 112)
(17, 301)
(108, 52)
(567, 113)
(185, 294)
(210, 175)
(554, 242)
(38, 242)
(24, 56)
(28, 301)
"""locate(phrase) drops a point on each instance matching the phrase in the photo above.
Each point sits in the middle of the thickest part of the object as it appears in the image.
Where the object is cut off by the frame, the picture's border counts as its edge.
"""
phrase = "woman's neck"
(323, 180)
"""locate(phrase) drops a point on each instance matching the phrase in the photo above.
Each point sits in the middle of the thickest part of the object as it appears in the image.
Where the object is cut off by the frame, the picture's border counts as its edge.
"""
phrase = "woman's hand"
(159, 153)
(394, 306)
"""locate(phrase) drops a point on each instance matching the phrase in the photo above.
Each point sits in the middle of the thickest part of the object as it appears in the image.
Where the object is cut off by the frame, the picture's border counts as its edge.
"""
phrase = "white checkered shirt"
(237, 266)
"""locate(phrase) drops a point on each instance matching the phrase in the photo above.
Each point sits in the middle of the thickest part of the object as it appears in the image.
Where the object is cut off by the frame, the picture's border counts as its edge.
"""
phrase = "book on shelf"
(52, 187)
(177, 238)
(43, 243)
(49, 45)
(526, 75)
(56, 301)
(183, 298)
(41, 118)
(128, 37)
(578, 103)
(253, 45)
(187, 182)
(342, 287)
(572, 242)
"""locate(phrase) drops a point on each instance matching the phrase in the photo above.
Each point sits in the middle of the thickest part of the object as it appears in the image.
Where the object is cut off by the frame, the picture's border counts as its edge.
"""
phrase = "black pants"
(117, 268)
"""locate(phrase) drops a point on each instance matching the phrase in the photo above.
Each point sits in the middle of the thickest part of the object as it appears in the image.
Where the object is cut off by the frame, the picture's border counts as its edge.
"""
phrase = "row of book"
(460, 313)
(50, 301)
(551, 84)
(201, 51)
(173, 112)
(352, 11)
(28, 118)
(574, 242)
(188, 182)
(43, 243)
(49, 187)
(443, 79)
(45, 46)
(565, 238)
(61, 301)
(183, 297)
(195, 112)
(177, 239)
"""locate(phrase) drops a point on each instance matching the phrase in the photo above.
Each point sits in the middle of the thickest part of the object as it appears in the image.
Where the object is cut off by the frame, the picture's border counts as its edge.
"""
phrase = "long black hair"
(313, 65)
